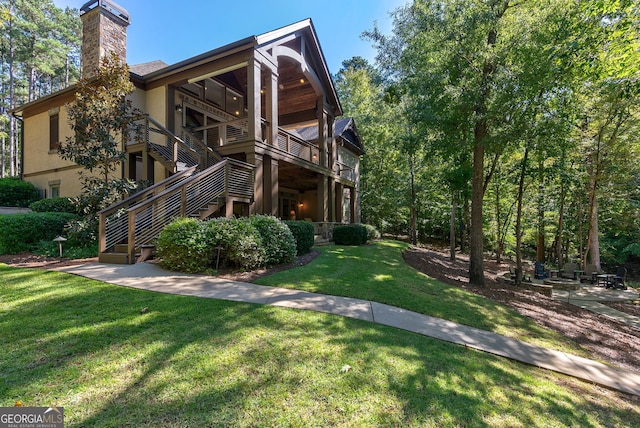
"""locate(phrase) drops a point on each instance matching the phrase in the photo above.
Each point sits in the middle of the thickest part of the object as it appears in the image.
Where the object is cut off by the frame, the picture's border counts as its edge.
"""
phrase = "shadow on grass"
(86, 346)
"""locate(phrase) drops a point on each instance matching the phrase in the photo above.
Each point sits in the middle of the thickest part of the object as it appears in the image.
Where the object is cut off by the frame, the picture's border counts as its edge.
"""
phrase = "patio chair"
(569, 270)
(539, 271)
(514, 276)
(589, 274)
(618, 281)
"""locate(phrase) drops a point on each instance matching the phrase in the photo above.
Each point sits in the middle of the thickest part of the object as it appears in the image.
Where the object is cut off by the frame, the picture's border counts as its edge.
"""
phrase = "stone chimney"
(104, 29)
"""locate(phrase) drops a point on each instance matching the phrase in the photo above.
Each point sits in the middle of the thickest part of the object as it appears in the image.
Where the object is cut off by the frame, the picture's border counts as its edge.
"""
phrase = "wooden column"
(275, 189)
(253, 99)
(355, 216)
(339, 202)
(272, 106)
(258, 187)
(323, 197)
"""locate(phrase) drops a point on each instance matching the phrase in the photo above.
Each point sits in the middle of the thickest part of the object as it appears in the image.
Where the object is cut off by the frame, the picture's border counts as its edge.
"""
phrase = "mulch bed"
(607, 339)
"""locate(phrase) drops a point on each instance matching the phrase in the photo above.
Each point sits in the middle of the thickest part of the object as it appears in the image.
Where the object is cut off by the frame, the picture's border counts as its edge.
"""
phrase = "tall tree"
(35, 42)
(102, 120)
(470, 68)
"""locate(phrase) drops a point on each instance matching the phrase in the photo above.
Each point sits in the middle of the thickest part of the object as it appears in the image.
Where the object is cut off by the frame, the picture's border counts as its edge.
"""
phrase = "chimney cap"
(112, 8)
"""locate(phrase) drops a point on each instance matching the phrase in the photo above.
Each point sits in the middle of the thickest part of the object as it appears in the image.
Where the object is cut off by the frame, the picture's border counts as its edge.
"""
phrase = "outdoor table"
(605, 279)
(553, 272)
(577, 274)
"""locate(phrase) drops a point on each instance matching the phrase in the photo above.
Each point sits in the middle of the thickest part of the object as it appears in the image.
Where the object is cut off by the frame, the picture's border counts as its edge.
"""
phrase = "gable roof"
(158, 70)
(344, 128)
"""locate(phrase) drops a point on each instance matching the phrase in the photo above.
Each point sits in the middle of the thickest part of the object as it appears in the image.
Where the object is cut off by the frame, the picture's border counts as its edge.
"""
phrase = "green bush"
(277, 240)
(372, 232)
(303, 233)
(54, 205)
(183, 246)
(353, 234)
(17, 193)
(51, 249)
(241, 242)
(22, 232)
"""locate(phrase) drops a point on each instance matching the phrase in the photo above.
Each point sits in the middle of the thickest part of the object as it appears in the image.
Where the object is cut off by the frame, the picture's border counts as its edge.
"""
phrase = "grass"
(86, 346)
(378, 273)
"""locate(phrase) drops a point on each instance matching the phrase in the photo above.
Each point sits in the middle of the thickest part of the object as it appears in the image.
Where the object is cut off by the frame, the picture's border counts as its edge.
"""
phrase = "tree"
(103, 120)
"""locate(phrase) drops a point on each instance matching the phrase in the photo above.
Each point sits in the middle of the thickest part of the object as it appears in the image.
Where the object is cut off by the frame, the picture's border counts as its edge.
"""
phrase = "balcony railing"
(298, 147)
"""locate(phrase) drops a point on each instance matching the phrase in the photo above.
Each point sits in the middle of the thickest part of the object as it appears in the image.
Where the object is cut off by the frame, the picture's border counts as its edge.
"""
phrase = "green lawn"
(86, 346)
(377, 272)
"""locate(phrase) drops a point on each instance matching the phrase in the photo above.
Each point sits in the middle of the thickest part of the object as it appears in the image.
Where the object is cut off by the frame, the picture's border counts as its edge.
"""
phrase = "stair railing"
(173, 148)
(228, 179)
(113, 220)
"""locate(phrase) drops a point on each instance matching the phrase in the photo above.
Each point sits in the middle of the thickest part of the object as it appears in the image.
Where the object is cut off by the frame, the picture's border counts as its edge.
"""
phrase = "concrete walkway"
(590, 296)
(150, 277)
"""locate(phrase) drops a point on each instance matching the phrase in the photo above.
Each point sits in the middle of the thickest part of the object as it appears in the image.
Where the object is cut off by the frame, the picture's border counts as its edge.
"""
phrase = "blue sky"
(176, 30)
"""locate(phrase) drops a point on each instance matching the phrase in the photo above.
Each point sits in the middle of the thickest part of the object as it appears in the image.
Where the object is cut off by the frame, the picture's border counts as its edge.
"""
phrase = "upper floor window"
(54, 130)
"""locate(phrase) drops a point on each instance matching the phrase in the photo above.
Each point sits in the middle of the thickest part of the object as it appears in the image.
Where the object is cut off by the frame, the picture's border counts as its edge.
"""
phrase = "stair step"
(114, 258)
(121, 248)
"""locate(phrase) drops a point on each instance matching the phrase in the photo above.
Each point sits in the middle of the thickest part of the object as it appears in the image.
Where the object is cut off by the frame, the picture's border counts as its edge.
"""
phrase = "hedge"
(183, 246)
(278, 242)
(352, 234)
(54, 205)
(22, 232)
(17, 193)
(303, 233)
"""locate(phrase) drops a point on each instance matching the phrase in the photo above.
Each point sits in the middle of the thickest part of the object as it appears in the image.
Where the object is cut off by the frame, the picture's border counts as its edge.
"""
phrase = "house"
(250, 127)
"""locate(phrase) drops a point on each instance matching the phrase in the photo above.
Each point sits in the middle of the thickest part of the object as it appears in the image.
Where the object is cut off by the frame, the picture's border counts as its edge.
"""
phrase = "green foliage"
(22, 232)
(101, 118)
(278, 242)
(303, 233)
(17, 193)
(353, 234)
(183, 246)
(241, 242)
(372, 232)
(69, 251)
(54, 205)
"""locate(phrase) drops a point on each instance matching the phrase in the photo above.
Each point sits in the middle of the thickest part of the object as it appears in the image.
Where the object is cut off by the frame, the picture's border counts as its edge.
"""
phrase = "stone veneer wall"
(101, 33)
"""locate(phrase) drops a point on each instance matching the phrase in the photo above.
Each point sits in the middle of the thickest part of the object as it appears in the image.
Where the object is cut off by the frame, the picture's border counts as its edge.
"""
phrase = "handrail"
(187, 197)
(298, 147)
(103, 215)
(175, 144)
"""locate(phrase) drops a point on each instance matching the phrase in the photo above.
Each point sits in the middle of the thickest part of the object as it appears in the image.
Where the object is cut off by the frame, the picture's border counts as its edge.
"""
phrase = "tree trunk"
(476, 241)
(563, 195)
(464, 228)
(498, 238)
(523, 169)
(414, 219)
(480, 134)
(452, 227)
(593, 240)
(540, 247)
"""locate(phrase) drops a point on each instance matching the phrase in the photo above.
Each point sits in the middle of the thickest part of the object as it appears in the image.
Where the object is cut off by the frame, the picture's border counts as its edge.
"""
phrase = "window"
(54, 188)
(54, 135)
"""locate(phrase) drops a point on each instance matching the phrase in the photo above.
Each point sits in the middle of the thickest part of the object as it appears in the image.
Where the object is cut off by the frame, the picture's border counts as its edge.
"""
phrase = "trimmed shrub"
(183, 246)
(372, 232)
(23, 232)
(277, 240)
(17, 193)
(54, 205)
(353, 234)
(241, 242)
(303, 233)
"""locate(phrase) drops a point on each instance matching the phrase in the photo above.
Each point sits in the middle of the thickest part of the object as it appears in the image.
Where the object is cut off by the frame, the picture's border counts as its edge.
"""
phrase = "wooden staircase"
(202, 184)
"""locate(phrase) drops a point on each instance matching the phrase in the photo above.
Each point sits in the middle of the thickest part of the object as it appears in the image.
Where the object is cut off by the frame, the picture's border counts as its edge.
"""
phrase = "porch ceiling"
(294, 177)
